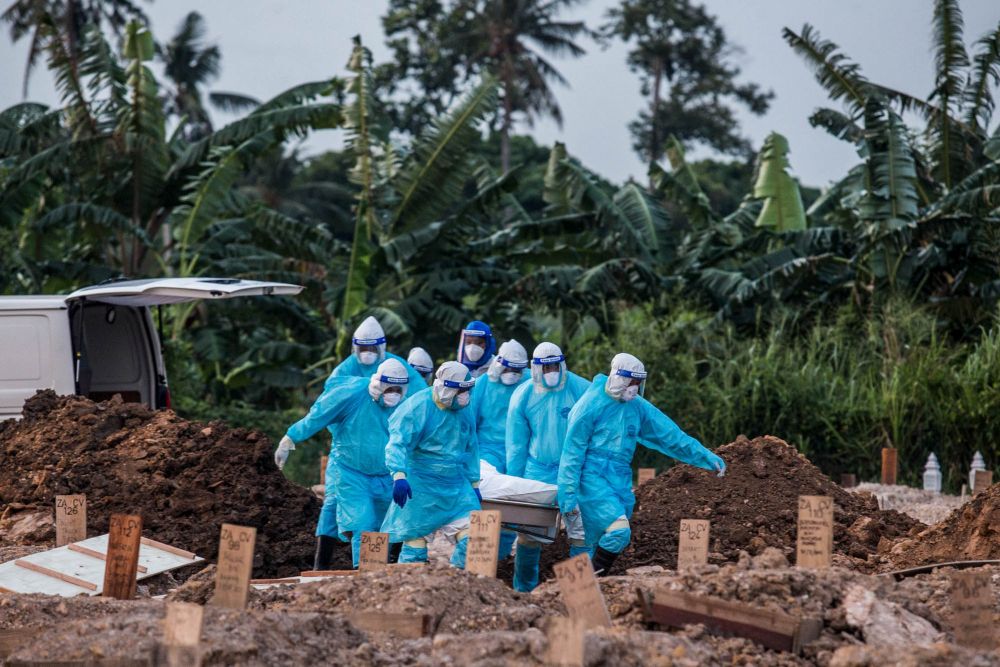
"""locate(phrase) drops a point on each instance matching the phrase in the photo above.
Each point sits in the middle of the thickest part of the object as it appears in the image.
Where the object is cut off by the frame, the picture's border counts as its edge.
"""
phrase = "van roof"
(33, 302)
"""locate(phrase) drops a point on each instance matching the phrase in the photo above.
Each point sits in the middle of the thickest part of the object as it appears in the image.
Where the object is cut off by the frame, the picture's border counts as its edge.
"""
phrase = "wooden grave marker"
(972, 610)
(692, 548)
(889, 465)
(484, 543)
(580, 592)
(182, 635)
(982, 480)
(644, 475)
(374, 554)
(122, 559)
(71, 519)
(566, 637)
(848, 480)
(814, 542)
(323, 460)
(232, 578)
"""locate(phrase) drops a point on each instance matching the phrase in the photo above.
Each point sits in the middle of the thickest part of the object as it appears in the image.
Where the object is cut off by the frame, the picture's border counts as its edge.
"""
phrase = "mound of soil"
(184, 478)
(753, 507)
(971, 532)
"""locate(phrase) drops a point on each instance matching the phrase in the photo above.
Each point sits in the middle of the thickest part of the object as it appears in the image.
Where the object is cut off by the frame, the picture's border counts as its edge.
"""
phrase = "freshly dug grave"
(753, 507)
(971, 532)
(184, 478)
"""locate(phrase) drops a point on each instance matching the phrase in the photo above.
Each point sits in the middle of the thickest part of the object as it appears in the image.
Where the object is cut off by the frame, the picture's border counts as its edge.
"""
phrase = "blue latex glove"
(479, 495)
(401, 492)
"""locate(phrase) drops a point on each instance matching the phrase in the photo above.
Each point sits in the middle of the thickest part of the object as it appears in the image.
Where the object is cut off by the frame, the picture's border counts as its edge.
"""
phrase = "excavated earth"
(184, 478)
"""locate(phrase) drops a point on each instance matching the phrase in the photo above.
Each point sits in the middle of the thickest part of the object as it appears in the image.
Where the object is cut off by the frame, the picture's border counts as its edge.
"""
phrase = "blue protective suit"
(437, 450)
(490, 400)
(536, 427)
(351, 367)
(595, 470)
(477, 367)
(358, 485)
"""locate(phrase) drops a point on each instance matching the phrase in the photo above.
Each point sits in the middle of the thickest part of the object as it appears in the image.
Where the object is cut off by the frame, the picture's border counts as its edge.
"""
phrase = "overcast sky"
(270, 45)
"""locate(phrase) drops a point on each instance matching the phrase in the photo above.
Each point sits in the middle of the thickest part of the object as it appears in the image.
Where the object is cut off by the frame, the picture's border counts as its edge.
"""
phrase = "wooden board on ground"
(181, 635)
(848, 480)
(232, 577)
(814, 540)
(484, 543)
(323, 460)
(11, 640)
(404, 626)
(889, 465)
(567, 647)
(644, 475)
(71, 519)
(121, 565)
(772, 629)
(580, 592)
(972, 610)
(374, 554)
(692, 547)
(982, 480)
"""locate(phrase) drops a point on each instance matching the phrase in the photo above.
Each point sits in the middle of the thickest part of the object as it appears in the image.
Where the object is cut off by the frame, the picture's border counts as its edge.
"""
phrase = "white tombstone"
(932, 475)
(977, 464)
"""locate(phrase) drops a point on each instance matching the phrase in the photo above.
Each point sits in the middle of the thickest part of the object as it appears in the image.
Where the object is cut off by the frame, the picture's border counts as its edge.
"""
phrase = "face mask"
(510, 378)
(462, 399)
(367, 358)
(391, 400)
(551, 379)
(474, 352)
(630, 392)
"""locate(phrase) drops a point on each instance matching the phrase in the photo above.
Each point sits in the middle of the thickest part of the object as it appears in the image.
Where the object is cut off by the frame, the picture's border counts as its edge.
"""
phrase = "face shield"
(368, 342)
(389, 383)
(453, 385)
(548, 367)
(627, 379)
(476, 345)
(421, 362)
(509, 364)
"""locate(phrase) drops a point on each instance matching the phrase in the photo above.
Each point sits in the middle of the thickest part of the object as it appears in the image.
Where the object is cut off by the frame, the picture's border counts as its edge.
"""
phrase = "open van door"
(116, 349)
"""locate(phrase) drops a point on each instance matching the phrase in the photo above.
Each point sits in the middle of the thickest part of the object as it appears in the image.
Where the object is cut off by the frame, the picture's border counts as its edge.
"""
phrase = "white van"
(100, 341)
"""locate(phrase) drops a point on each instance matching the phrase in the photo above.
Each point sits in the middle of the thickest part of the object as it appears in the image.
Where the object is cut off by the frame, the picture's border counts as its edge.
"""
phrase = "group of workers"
(410, 459)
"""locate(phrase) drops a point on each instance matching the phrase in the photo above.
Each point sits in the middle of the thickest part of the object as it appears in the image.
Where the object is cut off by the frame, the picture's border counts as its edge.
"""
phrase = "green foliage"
(782, 210)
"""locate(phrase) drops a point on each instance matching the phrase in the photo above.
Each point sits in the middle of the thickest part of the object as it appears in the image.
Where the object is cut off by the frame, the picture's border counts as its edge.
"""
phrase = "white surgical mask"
(474, 352)
(551, 379)
(510, 378)
(462, 399)
(367, 358)
(630, 392)
(391, 400)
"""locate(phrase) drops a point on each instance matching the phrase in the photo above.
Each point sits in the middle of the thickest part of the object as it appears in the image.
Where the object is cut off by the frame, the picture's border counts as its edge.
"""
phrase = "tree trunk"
(508, 112)
(655, 144)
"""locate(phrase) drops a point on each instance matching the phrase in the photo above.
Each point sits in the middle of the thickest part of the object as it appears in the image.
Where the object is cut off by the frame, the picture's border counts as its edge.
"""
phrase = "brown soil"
(184, 478)
(971, 532)
(753, 507)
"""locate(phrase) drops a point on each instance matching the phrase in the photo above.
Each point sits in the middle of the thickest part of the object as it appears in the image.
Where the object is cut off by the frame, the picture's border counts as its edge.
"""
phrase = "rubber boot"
(576, 550)
(394, 550)
(410, 554)
(526, 567)
(603, 560)
(507, 538)
(458, 555)
(356, 548)
(324, 552)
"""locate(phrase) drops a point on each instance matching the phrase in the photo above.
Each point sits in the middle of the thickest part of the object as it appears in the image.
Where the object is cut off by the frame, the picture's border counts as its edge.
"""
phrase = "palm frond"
(841, 78)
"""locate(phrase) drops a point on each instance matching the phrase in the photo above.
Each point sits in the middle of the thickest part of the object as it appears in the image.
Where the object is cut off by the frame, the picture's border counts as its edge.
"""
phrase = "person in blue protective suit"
(356, 411)
(595, 471)
(491, 398)
(368, 351)
(434, 460)
(421, 362)
(476, 347)
(536, 427)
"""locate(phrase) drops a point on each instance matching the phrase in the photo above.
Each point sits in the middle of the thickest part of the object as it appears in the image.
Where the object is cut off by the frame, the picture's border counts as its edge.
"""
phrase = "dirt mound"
(753, 507)
(971, 532)
(184, 478)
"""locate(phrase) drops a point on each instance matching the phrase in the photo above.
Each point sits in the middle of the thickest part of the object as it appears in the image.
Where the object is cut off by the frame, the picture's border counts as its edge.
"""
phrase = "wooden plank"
(692, 549)
(405, 626)
(814, 541)
(889, 465)
(982, 480)
(772, 629)
(328, 573)
(168, 548)
(182, 625)
(71, 519)
(49, 572)
(848, 480)
(98, 555)
(484, 543)
(232, 576)
(374, 553)
(122, 560)
(971, 595)
(293, 580)
(566, 637)
(580, 592)
(11, 640)
(643, 475)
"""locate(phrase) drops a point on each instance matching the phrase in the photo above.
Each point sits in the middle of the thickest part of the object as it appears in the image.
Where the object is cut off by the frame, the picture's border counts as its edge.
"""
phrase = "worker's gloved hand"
(281, 453)
(479, 495)
(567, 503)
(401, 492)
(717, 464)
